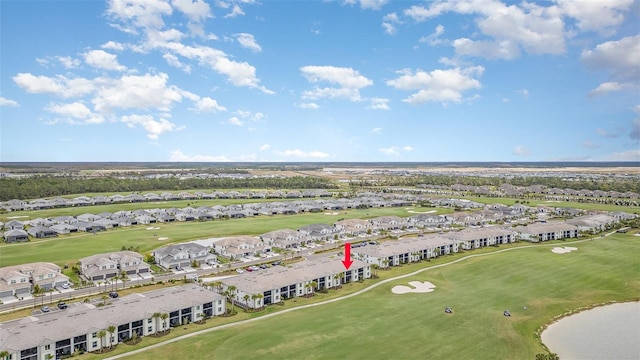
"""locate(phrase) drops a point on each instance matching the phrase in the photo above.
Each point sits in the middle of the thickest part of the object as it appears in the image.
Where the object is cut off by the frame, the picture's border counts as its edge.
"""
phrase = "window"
(94, 344)
(149, 329)
(47, 347)
(149, 320)
(13, 281)
(95, 334)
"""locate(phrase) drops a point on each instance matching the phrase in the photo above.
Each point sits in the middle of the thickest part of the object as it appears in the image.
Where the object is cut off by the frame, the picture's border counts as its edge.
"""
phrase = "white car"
(239, 271)
(65, 286)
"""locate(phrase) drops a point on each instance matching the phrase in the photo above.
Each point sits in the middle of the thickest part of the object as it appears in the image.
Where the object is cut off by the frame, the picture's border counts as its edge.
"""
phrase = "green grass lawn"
(68, 249)
(382, 325)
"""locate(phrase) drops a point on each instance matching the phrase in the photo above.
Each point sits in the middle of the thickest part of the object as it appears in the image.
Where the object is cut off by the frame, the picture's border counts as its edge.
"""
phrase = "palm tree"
(4, 354)
(335, 278)
(385, 263)
(246, 298)
(156, 316)
(101, 335)
(259, 296)
(104, 299)
(313, 285)
(164, 318)
(254, 297)
(124, 278)
(111, 329)
(232, 292)
(99, 285)
(375, 268)
(217, 285)
(306, 289)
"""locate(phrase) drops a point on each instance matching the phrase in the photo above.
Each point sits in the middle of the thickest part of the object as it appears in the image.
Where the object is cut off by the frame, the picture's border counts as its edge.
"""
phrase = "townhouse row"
(89, 327)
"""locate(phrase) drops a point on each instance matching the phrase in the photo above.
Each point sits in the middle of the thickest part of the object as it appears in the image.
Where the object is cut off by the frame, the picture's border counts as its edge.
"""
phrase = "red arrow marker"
(347, 256)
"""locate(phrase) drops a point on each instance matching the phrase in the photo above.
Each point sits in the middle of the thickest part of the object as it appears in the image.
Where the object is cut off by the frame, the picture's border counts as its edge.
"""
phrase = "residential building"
(59, 334)
(108, 265)
(553, 230)
(279, 283)
(182, 255)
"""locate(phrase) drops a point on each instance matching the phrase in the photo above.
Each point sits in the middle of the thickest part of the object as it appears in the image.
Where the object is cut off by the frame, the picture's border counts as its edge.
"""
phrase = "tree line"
(51, 186)
(609, 184)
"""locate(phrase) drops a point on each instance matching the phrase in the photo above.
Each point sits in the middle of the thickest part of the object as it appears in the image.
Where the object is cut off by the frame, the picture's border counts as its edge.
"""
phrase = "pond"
(607, 332)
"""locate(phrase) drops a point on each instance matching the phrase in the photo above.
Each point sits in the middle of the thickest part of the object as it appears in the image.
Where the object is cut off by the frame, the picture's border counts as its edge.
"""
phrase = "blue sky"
(368, 80)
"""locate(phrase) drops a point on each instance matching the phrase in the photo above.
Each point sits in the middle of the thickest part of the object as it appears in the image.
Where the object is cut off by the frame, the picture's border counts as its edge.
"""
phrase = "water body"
(607, 332)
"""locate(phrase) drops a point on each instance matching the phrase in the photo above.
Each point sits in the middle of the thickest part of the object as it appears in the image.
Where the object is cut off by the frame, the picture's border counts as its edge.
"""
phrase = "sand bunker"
(563, 250)
(153, 228)
(418, 287)
(332, 213)
(162, 238)
(421, 212)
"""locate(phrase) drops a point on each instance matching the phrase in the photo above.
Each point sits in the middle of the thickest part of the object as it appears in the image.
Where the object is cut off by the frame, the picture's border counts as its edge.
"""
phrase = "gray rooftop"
(81, 318)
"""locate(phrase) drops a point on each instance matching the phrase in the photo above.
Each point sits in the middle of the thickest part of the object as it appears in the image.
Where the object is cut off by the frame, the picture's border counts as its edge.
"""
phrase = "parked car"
(45, 309)
(62, 305)
(113, 294)
(276, 263)
(239, 271)
(65, 286)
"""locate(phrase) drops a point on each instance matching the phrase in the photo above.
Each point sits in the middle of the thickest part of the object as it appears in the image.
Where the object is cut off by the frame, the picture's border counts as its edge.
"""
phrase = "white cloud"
(379, 104)
(196, 11)
(297, 153)
(308, 105)
(590, 144)
(508, 28)
(524, 93)
(238, 73)
(392, 151)
(521, 151)
(265, 147)
(599, 16)
(505, 49)
(175, 62)
(7, 102)
(389, 23)
(75, 113)
(434, 38)
(136, 91)
(207, 104)
(438, 85)
(60, 85)
(153, 127)
(395, 150)
(370, 4)
(179, 156)
(349, 81)
(68, 62)
(138, 14)
(113, 45)
(38, 84)
(376, 131)
(235, 121)
(247, 41)
(236, 11)
(609, 87)
(620, 59)
(103, 60)
(256, 117)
